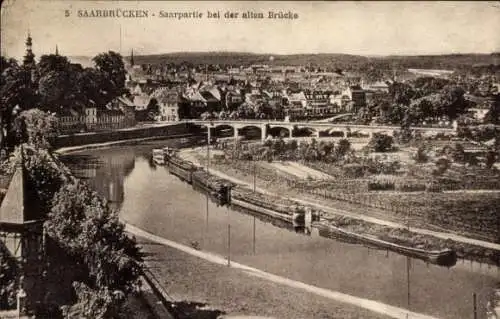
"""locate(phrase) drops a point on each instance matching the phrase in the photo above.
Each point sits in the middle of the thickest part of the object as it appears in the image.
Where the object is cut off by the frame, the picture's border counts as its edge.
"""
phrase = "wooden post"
(228, 238)
(474, 300)
(206, 196)
(208, 147)
(408, 279)
(254, 175)
(254, 234)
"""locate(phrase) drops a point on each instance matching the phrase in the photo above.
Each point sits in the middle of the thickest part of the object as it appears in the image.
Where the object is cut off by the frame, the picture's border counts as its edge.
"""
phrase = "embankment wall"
(125, 134)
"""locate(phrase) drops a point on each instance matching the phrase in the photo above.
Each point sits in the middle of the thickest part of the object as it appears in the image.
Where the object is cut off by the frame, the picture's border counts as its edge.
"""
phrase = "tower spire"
(132, 58)
(57, 50)
(29, 58)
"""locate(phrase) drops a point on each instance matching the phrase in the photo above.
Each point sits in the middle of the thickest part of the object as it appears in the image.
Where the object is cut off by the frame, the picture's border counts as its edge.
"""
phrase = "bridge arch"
(311, 131)
(251, 131)
(280, 131)
(223, 130)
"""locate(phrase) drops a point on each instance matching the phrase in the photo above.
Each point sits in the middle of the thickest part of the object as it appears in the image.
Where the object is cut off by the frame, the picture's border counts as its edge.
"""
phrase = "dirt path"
(188, 154)
(298, 170)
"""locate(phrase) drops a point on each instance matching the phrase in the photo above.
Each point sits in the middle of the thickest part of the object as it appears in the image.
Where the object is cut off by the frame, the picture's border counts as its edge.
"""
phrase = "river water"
(150, 198)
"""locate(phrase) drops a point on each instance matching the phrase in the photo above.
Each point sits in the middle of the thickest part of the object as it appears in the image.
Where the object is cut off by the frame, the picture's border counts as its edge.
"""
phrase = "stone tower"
(29, 58)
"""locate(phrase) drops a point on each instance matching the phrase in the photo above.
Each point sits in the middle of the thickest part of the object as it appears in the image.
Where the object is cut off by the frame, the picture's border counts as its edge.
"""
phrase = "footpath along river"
(150, 198)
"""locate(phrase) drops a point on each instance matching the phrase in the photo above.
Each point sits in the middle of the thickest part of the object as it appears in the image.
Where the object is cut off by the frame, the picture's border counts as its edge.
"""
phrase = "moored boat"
(444, 257)
(180, 168)
(158, 156)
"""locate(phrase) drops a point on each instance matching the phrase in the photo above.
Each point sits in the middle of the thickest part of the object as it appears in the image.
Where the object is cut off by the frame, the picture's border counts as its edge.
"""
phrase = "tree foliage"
(381, 142)
(91, 232)
(111, 64)
(55, 85)
(9, 272)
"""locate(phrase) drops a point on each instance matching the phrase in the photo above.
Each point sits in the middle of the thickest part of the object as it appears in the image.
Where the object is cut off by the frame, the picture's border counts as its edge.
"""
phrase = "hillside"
(343, 61)
(336, 60)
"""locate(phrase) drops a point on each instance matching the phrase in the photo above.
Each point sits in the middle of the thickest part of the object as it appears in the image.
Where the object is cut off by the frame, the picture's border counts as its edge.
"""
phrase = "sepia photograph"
(250, 159)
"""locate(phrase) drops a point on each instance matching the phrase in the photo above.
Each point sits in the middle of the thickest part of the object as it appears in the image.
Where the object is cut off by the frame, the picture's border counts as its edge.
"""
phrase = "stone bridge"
(314, 127)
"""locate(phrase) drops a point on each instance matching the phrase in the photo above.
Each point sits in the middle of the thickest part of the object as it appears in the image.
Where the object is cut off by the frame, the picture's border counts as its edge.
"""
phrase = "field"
(473, 214)
(468, 214)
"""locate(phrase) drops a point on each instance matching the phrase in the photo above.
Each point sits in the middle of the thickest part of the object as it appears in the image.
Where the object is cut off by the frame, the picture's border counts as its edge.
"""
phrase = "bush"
(380, 185)
(354, 170)
(442, 166)
(38, 128)
(381, 142)
(410, 186)
(9, 273)
(421, 156)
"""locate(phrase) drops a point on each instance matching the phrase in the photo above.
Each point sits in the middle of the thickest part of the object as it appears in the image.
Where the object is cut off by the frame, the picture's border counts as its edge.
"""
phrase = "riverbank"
(128, 134)
(466, 248)
(85, 147)
(237, 291)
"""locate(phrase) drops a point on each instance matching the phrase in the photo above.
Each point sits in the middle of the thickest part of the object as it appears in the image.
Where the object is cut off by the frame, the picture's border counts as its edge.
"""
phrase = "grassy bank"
(233, 292)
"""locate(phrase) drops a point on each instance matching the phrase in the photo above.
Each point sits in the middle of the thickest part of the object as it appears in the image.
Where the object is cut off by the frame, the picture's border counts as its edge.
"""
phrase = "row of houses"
(118, 114)
(213, 98)
(149, 100)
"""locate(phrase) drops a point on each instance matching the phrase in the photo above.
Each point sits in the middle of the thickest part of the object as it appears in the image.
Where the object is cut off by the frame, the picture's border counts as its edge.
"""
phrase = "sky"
(364, 28)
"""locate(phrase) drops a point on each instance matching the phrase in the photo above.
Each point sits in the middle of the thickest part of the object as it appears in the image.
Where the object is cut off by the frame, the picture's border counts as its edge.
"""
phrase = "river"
(149, 197)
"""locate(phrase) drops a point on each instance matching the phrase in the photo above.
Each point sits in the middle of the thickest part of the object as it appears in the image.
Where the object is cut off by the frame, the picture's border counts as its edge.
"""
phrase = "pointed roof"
(19, 205)
(29, 58)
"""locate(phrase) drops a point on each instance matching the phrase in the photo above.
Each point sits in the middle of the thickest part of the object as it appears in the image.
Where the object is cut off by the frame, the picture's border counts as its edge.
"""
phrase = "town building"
(168, 104)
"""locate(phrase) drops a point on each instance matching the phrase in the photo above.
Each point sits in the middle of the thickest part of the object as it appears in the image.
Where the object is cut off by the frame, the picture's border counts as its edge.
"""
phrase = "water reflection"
(106, 174)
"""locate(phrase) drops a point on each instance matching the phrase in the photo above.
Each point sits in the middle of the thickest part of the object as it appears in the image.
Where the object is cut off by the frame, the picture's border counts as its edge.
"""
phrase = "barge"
(180, 168)
(445, 257)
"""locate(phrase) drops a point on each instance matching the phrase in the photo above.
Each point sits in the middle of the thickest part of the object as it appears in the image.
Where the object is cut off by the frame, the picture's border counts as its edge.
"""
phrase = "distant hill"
(239, 58)
(343, 61)
(336, 60)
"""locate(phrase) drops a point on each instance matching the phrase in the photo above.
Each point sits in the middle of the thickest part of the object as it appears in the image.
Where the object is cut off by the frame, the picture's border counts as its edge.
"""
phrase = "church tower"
(29, 58)
(57, 50)
(132, 58)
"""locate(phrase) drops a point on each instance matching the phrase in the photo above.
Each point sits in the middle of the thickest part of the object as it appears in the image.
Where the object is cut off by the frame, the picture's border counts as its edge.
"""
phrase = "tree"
(453, 101)
(325, 149)
(458, 153)
(111, 64)
(54, 87)
(17, 93)
(51, 63)
(401, 93)
(381, 142)
(421, 156)
(153, 108)
(493, 115)
(343, 147)
(82, 223)
(91, 87)
(491, 157)
(442, 165)
(427, 85)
